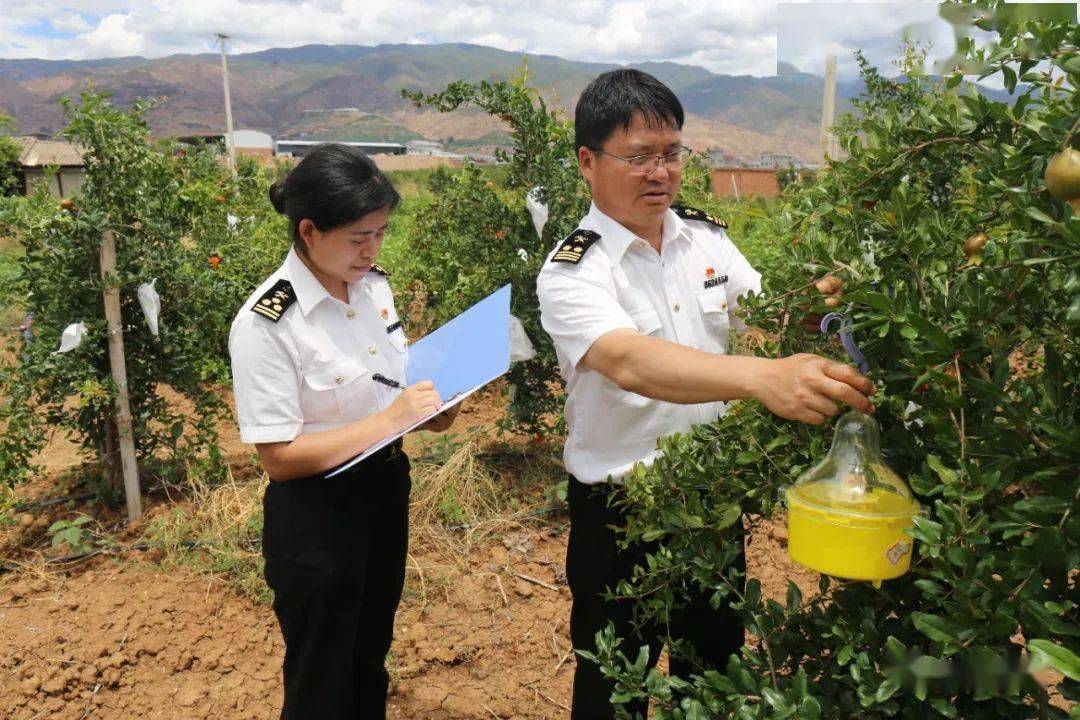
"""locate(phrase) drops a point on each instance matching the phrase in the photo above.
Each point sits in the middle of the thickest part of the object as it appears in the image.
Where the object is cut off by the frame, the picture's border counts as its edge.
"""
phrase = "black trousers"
(595, 563)
(335, 558)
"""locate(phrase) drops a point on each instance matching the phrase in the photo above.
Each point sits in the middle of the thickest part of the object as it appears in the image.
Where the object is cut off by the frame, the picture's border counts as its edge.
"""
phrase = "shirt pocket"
(715, 318)
(337, 391)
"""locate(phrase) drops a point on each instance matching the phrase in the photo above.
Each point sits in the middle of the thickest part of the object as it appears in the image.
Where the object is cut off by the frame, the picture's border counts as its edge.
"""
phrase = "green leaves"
(1045, 653)
(947, 475)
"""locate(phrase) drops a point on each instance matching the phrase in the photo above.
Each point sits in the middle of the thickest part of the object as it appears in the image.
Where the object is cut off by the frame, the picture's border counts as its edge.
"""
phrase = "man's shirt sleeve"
(577, 307)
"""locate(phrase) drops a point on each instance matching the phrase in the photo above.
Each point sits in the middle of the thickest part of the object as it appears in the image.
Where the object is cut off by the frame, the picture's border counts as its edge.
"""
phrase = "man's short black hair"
(611, 100)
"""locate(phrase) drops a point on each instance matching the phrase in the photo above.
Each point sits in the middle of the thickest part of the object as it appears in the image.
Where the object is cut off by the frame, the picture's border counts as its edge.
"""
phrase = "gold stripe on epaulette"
(267, 312)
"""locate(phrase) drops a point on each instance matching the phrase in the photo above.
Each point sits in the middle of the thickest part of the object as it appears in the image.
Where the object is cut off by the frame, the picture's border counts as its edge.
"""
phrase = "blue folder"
(460, 358)
(466, 353)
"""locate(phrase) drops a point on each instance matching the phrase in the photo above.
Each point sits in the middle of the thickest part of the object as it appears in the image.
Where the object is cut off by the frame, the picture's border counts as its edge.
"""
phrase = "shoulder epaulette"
(574, 246)
(380, 269)
(689, 213)
(275, 301)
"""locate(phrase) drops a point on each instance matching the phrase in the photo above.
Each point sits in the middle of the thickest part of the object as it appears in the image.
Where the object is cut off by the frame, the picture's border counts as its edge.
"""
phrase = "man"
(638, 302)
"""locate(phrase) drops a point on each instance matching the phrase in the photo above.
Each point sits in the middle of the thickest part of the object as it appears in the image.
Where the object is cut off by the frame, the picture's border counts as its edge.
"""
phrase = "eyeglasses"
(647, 164)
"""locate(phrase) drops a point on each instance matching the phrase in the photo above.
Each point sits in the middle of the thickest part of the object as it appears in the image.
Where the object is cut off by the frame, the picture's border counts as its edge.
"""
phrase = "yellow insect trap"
(847, 515)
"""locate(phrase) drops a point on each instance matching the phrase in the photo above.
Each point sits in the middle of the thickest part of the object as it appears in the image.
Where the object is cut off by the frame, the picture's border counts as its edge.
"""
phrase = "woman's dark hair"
(611, 100)
(332, 186)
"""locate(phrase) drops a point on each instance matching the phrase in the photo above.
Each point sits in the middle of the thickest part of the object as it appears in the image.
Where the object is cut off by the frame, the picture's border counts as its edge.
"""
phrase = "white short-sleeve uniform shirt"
(303, 361)
(686, 293)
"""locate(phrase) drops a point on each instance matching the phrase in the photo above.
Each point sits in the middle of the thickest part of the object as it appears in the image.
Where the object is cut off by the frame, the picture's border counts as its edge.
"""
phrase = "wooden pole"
(828, 112)
(115, 329)
(230, 138)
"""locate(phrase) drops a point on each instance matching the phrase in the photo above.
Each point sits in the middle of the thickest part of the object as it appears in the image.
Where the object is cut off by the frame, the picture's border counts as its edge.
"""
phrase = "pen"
(379, 378)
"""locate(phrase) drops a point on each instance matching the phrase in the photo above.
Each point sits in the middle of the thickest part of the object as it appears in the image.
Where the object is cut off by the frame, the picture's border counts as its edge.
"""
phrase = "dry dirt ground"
(121, 637)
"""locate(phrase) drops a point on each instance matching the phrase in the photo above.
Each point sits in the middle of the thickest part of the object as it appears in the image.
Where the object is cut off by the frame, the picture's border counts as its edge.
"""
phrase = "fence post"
(115, 331)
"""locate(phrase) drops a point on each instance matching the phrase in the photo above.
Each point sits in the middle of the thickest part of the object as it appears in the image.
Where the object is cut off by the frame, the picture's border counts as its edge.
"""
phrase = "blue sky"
(725, 36)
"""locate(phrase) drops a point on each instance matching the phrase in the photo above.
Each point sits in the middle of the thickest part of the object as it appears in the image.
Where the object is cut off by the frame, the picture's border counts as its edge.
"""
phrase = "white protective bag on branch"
(521, 348)
(72, 337)
(150, 302)
(538, 211)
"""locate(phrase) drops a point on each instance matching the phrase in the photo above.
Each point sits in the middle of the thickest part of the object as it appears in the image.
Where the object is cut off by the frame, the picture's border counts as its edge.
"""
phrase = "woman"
(315, 352)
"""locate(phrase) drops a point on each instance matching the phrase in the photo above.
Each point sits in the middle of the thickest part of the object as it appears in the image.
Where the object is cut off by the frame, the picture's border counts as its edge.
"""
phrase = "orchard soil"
(120, 636)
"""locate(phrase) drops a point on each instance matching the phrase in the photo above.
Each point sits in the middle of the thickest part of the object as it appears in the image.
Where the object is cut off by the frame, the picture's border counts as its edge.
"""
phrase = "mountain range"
(354, 92)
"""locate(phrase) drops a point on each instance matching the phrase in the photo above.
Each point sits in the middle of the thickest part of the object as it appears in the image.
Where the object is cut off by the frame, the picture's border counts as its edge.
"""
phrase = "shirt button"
(676, 307)
(371, 350)
(339, 379)
(350, 314)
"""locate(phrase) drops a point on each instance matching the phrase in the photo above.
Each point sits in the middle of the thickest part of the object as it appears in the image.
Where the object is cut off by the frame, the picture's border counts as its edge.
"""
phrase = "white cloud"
(731, 37)
(113, 36)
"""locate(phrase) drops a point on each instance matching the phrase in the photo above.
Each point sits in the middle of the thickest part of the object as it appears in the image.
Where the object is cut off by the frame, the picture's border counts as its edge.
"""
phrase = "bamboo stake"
(114, 325)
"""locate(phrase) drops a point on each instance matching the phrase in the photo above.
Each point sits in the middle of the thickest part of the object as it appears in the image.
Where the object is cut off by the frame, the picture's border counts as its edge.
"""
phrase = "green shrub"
(170, 214)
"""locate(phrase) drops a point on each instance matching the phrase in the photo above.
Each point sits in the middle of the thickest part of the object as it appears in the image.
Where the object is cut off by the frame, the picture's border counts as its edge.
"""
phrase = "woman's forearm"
(311, 454)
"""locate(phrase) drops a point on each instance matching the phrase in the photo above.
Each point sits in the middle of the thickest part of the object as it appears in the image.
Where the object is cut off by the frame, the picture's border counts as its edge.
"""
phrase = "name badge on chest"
(712, 279)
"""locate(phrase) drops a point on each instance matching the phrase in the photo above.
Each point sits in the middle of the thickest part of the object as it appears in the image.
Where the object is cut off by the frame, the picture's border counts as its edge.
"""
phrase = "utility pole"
(829, 147)
(230, 138)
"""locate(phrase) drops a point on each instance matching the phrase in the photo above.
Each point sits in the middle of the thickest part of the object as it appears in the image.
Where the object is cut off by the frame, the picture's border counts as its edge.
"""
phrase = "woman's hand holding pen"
(413, 403)
(443, 420)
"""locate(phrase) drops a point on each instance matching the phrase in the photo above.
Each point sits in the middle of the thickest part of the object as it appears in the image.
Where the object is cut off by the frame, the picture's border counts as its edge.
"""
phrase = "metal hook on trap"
(846, 339)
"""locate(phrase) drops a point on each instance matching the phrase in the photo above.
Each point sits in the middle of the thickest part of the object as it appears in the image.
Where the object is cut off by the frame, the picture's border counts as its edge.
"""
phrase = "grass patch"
(458, 504)
(460, 501)
(215, 529)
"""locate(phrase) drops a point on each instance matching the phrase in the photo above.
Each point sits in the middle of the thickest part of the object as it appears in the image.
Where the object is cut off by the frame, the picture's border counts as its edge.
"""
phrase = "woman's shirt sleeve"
(266, 381)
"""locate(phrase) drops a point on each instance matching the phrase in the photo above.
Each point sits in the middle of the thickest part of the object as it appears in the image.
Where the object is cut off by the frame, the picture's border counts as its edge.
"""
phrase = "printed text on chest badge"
(711, 279)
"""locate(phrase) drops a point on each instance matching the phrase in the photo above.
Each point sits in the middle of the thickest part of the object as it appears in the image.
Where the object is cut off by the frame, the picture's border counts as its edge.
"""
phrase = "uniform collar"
(309, 291)
(616, 238)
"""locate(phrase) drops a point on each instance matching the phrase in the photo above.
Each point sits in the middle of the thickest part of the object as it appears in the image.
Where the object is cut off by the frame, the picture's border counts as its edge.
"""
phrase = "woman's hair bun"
(277, 196)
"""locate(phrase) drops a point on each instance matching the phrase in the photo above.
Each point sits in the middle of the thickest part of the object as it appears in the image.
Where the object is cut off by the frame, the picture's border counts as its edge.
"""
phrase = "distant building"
(300, 148)
(252, 142)
(36, 159)
(719, 158)
(777, 161)
(740, 182)
(423, 147)
(248, 142)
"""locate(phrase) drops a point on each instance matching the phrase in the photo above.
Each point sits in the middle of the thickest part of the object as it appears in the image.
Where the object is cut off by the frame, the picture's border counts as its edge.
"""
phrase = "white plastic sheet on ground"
(150, 302)
(538, 211)
(72, 337)
(521, 348)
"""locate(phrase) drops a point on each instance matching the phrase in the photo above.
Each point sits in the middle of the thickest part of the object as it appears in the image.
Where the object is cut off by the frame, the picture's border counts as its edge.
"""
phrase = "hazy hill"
(350, 91)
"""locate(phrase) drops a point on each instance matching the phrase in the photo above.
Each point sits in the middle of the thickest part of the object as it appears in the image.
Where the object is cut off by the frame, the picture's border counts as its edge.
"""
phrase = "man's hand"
(808, 388)
(832, 288)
